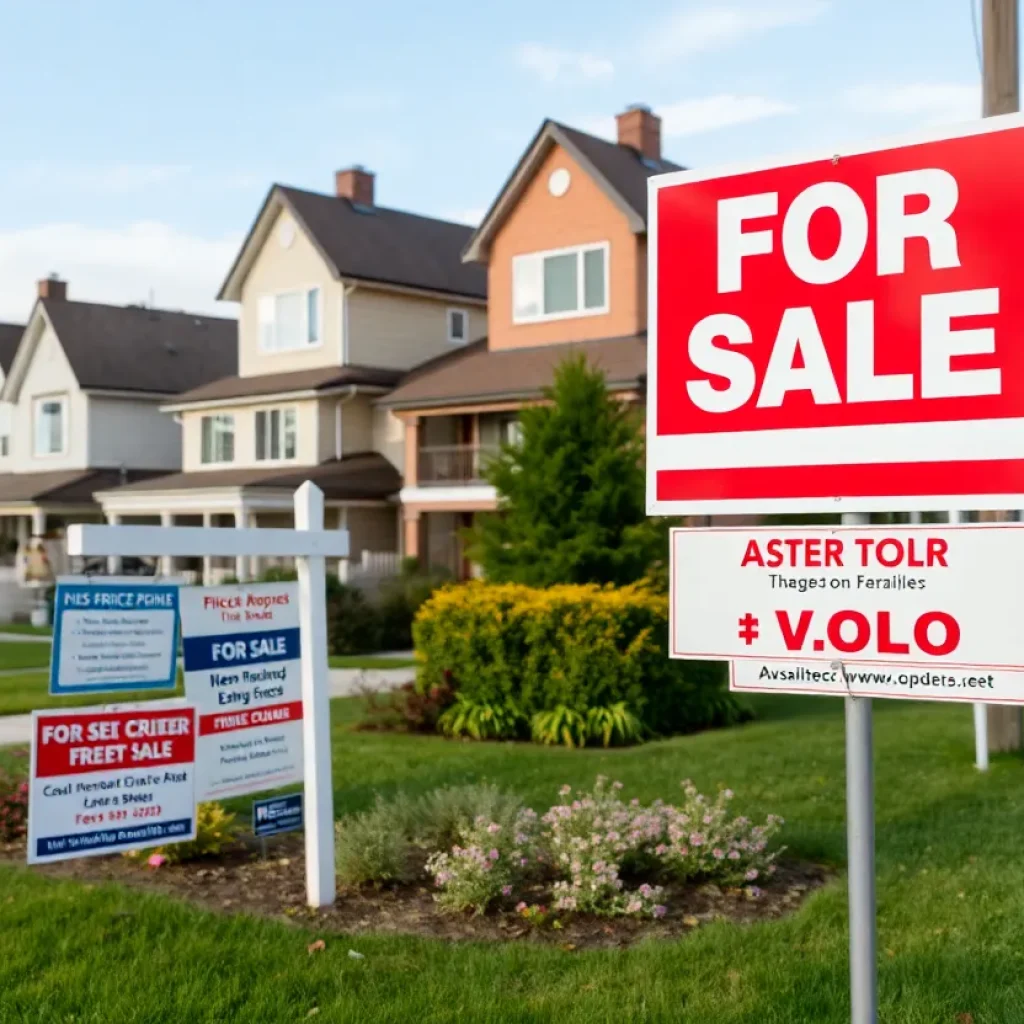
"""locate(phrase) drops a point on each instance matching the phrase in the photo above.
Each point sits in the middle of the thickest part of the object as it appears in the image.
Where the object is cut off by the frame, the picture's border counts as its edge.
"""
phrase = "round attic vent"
(559, 182)
(286, 233)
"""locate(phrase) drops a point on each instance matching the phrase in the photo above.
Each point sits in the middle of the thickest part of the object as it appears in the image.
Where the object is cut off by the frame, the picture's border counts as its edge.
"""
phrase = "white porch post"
(240, 560)
(166, 561)
(38, 522)
(207, 559)
(343, 563)
(316, 717)
(255, 562)
(113, 561)
(23, 531)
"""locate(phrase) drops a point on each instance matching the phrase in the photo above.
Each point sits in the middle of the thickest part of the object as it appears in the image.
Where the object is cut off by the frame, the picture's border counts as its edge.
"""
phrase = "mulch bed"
(243, 882)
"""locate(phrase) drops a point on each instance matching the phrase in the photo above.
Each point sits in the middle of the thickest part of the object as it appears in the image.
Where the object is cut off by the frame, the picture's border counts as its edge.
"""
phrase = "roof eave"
(405, 405)
(273, 396)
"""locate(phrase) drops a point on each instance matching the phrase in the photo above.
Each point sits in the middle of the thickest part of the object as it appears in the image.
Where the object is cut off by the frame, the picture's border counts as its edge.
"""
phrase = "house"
(80, 400)
(565, 246)
(338, 298)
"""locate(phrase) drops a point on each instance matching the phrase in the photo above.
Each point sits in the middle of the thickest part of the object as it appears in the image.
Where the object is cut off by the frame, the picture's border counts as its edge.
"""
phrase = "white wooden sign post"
(309, 544)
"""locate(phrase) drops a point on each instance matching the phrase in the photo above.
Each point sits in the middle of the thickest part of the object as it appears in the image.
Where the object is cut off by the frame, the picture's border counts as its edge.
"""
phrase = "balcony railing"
(441, 465)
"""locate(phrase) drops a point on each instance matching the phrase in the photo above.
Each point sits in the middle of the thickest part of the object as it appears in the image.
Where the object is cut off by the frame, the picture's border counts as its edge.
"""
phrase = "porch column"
(38, 522)
(113, 561)
(344, 564)
(207, 559)
(412, 451)
(166, 561)
(255, 561)
(240, 559)
(411, 548)
(23, 531)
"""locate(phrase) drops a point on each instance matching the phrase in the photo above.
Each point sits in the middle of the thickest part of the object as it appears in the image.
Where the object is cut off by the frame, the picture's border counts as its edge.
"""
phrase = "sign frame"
(692, 451)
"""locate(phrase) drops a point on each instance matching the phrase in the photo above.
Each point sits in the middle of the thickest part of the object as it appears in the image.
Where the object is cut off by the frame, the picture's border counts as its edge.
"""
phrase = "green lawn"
(26, 628)
(370, 661)
(27, 691)
(950, 892)
(18, 654)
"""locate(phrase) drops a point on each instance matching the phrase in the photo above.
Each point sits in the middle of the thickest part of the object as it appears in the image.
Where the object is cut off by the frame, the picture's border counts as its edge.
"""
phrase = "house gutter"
(352, 392)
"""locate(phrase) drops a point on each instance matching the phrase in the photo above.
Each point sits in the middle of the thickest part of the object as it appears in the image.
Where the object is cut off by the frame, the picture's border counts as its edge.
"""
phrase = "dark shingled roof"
(129, 348)
(65, 486)
(621, 166)
(10, 336)
(479, 374)
(367, 476)
(389, 246)
(319, 379)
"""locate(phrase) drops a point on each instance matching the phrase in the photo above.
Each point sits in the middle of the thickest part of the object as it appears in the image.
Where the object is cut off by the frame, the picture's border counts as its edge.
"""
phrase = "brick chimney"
(54, 288)
(641, 129)
(355, 183)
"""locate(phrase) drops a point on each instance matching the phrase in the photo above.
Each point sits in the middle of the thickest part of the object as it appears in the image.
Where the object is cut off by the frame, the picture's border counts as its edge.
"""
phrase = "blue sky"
(137, 140)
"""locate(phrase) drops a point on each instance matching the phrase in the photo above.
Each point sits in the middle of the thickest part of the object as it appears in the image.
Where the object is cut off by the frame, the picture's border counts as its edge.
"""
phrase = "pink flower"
(659, 911)
(506, 890)
(493, 827)
(734, 855)
(751, 874)
(157, 860)
(634, 907)
(493, 855)
(718, 854)
(696, 839)
(520, 907)
(565, 790)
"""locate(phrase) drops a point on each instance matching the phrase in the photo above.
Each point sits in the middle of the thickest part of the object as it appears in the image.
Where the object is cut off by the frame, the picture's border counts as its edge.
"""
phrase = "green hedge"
(507, 646)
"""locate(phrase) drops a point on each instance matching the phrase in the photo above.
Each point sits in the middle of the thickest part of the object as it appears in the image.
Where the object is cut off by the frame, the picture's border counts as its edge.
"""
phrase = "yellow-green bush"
(527, 650)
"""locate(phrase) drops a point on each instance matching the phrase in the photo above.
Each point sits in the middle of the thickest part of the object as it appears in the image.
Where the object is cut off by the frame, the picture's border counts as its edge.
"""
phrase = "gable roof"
(373, 244)
(620, 171)
(10, 338)
(132, 348)
(479, 374)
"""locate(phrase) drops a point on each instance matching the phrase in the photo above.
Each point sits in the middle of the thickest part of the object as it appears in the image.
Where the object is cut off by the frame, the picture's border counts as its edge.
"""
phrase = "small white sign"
(114, 635)
(241, 653)
(887, 611)
(106, 781)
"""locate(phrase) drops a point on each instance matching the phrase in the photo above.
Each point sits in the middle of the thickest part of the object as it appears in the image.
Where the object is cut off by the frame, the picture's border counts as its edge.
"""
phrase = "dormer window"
(560, 284)
(290, 320)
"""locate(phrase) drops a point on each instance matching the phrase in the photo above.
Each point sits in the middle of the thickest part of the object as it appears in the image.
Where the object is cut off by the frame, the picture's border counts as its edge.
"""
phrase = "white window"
(218, 439)
(290, 320)
(511, 430)
(560, 284)
(5, 429)
(276, 434)
(458, 326)
(50, 425)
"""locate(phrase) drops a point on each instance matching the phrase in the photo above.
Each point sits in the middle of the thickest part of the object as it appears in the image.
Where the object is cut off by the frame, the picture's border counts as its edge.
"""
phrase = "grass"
(27, 691)
(17, 654)
(951, 902)
(365, 661)
(27, 628)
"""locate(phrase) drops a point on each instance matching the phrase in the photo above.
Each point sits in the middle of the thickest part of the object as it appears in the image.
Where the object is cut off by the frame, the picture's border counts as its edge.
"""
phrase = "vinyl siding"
(131, 433)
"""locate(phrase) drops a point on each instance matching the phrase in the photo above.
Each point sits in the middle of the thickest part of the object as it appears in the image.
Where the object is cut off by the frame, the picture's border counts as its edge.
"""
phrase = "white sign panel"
(241, 652)
(114, 635)
(882, 611)
(106, 781)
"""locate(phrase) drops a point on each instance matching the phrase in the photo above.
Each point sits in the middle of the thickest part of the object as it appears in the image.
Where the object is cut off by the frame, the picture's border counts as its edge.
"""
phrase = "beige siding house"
(338, 299)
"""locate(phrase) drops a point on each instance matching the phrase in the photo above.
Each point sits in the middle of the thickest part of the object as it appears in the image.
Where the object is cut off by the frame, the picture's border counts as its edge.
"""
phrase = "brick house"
(565, 245)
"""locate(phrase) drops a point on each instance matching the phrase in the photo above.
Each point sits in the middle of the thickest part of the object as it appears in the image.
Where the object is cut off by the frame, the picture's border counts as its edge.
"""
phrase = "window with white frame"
(276, 434)
(510, 430)
(218, 439)
(50, 425)
(458, 326)
(290, 320)
(560, 284)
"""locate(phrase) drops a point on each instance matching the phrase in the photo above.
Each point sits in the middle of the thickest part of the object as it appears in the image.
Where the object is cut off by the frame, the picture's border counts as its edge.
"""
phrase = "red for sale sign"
(840, 333)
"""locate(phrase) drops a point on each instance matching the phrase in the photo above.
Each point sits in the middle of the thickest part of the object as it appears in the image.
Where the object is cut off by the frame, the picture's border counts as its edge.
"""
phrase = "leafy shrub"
(481, 721)
(560, 725)
(353, 625)
(406, 708)
(13, 807)
(216, 830)
(447, 812)
(614, 726)
(569, 647)
(377, 845)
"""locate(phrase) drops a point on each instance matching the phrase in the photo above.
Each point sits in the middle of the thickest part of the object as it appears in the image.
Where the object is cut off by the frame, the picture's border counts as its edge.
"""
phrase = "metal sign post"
(309, 544)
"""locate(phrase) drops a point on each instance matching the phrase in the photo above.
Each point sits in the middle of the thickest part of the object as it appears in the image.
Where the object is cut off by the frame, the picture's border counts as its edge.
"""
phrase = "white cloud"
(938, 102)
(117, 265)
(465, 215)
(551, 64)
(694, 116)
(689, 31)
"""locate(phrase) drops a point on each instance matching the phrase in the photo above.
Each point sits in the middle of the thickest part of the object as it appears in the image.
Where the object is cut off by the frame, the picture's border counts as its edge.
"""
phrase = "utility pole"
(1000, 95)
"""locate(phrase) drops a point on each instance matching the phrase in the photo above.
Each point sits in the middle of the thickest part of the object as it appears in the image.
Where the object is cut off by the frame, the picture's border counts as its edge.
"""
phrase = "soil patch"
(244, 882)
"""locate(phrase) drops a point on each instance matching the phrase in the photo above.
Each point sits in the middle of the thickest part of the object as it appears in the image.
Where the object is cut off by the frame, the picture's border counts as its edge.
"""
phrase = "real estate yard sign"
(106, 781)
(242, 673)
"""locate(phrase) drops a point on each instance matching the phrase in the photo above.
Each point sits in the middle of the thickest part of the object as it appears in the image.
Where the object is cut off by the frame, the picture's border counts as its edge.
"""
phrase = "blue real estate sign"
(114, 636)
(278, 814)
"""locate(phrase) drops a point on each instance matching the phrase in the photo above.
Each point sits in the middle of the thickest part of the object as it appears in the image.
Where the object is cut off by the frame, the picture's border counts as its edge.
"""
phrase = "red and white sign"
(875, 611)
(242, 672)
(840, 332)
(105, 780)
